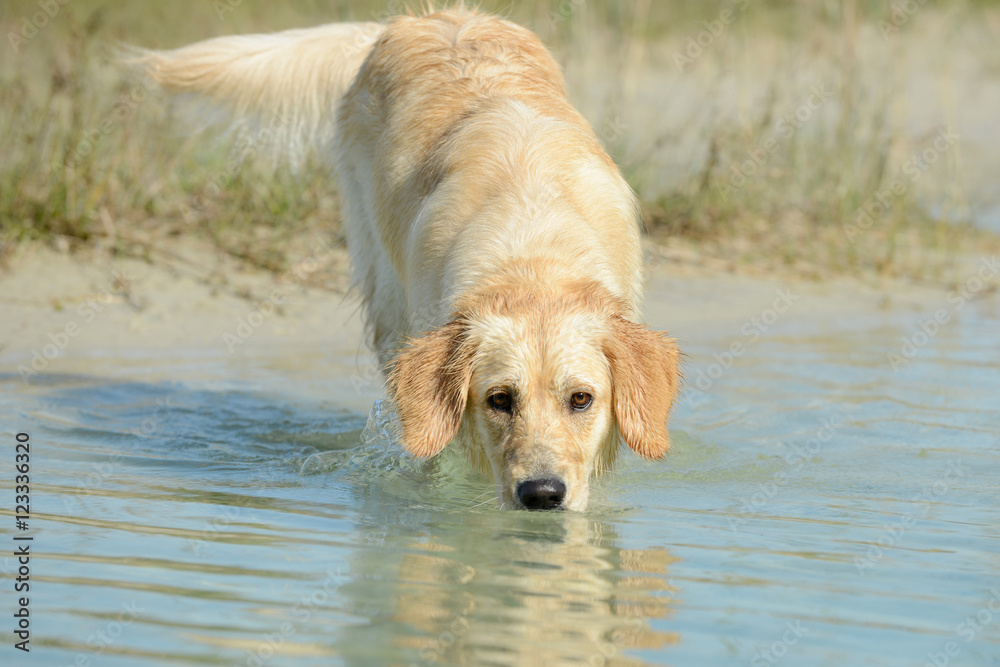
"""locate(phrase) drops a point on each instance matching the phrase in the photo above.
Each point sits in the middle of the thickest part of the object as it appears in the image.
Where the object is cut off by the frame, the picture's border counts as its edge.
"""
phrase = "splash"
(379, 450)
(382, 426)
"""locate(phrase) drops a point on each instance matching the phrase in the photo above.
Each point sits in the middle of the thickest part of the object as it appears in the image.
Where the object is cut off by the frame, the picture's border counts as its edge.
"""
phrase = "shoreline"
(62, 305)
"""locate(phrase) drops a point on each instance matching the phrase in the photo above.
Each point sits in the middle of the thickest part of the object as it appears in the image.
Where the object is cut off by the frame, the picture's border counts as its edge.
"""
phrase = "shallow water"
(819, 508)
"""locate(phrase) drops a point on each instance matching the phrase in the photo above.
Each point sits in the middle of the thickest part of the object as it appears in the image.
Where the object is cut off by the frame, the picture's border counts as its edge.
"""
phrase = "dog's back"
(459, 151)
(454, 121)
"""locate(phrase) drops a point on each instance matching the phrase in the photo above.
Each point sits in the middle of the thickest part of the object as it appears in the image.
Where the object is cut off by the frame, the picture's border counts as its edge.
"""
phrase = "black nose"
(541, 494)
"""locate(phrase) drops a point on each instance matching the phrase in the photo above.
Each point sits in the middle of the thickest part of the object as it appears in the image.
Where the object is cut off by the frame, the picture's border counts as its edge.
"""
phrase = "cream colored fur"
(493, 241)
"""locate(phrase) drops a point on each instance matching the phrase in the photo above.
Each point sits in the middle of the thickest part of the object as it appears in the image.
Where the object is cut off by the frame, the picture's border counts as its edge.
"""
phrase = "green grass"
(87, 163)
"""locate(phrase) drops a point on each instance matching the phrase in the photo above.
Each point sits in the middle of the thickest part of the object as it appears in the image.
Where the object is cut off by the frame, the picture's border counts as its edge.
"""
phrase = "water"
(819, 508)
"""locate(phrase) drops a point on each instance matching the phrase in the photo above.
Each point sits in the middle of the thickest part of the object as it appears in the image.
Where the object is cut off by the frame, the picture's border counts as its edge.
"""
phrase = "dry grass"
(91, 158)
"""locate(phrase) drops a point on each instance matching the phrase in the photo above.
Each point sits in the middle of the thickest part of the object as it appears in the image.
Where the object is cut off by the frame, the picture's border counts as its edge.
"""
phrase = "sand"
(61, 310)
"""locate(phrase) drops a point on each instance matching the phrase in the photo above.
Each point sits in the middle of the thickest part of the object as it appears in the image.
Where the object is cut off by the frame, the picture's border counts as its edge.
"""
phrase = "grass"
(93, 159)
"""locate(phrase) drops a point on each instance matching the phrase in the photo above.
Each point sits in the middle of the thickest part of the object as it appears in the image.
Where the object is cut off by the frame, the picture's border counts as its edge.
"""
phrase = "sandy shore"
(190, 297)
(58, 307)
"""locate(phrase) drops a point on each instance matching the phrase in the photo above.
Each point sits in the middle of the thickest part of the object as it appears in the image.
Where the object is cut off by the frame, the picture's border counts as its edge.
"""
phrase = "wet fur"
(493, 241)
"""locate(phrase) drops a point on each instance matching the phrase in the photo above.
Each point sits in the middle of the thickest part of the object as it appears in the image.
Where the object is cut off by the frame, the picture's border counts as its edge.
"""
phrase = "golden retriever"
(493, 241)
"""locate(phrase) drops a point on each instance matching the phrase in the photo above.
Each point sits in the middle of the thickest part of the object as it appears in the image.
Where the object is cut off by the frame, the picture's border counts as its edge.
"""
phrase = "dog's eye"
(581, 400)
(500, 400)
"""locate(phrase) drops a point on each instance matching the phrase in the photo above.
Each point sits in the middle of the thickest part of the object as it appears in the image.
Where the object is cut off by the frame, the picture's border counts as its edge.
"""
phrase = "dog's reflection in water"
(558, 592)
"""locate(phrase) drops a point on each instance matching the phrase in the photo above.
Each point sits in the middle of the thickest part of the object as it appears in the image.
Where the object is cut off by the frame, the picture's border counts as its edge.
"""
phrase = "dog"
(494, 243)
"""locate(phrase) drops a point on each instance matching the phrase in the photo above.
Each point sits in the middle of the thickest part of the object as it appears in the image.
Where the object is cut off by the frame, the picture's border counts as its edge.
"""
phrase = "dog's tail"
(281, 89)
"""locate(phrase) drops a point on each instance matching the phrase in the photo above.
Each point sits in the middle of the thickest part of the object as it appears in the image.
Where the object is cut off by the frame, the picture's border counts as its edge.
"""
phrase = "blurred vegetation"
(91, 158)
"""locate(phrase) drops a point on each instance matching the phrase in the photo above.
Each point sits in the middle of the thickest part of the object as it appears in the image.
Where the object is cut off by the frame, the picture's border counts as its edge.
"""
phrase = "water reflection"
(512, 588)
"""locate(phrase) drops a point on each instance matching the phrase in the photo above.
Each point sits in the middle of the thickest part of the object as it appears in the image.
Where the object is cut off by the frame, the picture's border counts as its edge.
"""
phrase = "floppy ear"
(645, 377)
(429, 384)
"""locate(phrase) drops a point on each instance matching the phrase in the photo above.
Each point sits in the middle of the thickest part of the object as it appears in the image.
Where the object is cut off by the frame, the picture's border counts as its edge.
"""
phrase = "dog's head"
(540, 389)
